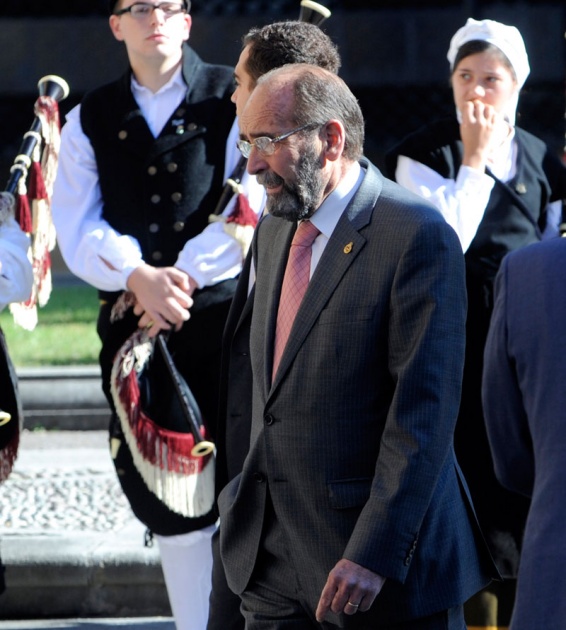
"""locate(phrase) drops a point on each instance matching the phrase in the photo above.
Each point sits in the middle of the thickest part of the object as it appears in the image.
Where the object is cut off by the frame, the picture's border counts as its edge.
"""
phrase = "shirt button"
(176, 197)
(154, 228)
(155, 198)
(152, 170)
(157, 256)
(172, 167)
(122, 135)
(178, 226)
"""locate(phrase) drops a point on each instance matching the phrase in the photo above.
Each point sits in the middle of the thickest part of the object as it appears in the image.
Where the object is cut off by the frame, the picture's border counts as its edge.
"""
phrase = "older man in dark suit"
(350, 510)
(524, 400)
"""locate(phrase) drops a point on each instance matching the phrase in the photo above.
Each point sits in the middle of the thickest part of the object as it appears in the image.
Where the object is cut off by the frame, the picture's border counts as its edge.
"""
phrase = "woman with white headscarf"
(500, 188)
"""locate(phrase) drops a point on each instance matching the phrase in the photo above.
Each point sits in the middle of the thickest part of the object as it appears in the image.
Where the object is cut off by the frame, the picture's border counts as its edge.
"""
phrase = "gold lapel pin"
(348, 247)
(521, 188)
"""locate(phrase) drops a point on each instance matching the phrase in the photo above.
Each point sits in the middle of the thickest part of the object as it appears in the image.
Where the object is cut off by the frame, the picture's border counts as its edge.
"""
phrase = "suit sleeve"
(426, 352)
(504, 411)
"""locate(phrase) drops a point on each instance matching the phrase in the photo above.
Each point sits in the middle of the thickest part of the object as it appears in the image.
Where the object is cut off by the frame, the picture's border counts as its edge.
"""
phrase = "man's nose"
(256, 162)
(157, 15)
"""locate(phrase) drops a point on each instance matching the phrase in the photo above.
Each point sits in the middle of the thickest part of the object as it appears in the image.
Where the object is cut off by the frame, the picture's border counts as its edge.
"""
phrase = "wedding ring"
(353, 605)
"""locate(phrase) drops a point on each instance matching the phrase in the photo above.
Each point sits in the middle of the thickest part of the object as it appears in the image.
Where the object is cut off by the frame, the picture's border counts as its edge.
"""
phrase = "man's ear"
(333, 136)
(114, 21)
(188, 22)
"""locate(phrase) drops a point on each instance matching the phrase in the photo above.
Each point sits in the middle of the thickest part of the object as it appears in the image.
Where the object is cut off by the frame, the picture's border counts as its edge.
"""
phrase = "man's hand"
(350, 588)
(163, 297)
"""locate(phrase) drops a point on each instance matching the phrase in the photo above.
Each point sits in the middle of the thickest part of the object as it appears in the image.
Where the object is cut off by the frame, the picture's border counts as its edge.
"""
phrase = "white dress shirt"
(100, 255)
(16, 275)
(463, 201)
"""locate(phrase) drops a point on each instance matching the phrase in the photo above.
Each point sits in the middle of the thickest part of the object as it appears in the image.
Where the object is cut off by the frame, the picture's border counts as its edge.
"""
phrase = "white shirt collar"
(158, 107)
(332, 208)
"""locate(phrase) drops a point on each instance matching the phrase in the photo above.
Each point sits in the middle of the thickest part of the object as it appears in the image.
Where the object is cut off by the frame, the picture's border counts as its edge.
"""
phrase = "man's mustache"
(269, 180)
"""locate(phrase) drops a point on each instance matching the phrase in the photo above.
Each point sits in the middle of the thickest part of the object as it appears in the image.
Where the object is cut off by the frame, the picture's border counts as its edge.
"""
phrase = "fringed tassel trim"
(185, 484)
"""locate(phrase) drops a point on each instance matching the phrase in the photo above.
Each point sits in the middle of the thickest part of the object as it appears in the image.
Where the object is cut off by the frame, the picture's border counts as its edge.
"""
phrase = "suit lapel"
(342, 249)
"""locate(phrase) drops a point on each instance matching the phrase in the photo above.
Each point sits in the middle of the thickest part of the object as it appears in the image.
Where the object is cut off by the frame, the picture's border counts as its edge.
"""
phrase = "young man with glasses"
(141, 168)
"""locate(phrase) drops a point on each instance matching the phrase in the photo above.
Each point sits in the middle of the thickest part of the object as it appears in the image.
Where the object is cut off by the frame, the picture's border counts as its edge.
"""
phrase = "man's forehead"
(266, 110)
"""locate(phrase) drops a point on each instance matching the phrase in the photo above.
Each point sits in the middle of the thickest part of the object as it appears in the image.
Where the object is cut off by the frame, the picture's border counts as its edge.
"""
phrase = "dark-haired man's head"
(277, 45)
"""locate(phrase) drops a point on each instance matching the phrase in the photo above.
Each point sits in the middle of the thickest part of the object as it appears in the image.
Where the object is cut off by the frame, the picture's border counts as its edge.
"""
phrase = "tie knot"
(305, 234)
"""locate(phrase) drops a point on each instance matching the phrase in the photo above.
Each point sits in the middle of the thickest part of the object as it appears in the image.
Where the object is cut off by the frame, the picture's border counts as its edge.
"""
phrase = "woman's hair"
(475, 46)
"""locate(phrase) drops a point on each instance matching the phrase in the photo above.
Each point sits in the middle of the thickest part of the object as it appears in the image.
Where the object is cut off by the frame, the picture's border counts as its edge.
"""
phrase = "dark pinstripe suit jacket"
(354, 436)
(524, 401)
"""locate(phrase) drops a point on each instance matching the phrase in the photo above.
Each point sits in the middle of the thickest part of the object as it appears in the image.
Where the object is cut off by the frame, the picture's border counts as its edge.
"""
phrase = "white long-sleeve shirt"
(463, 201)
(16, 275)
(100, 255)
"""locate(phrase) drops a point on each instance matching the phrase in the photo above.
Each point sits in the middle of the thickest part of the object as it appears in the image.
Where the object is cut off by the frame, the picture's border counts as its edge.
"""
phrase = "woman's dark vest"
(515, 215)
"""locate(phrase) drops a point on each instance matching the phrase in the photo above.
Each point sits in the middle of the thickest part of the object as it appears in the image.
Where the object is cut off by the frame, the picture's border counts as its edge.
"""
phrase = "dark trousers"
(224, 612)
(274, 599)
(265, 609)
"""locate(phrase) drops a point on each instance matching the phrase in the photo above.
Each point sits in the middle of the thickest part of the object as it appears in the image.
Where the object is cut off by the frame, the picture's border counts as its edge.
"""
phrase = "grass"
(65, 333)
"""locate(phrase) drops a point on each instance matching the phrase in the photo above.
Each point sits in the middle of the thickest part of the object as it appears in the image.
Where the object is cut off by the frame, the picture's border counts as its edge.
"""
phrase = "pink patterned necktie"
(295, 284)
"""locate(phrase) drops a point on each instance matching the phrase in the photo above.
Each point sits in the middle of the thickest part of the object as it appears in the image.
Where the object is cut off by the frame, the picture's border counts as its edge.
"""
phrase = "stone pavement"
(142, 623)
(71, 545)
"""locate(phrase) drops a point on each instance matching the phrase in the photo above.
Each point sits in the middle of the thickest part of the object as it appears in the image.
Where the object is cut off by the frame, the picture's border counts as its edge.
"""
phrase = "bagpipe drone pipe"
(29, 189)
(31, 177)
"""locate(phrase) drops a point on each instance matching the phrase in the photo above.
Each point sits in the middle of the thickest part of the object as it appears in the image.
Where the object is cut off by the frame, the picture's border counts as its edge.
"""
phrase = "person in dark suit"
(350, 510)
(524, 401)
(264, 49)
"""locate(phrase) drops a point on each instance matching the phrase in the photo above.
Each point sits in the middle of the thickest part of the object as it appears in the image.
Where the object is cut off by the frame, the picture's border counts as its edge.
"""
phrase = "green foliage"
(65, 333)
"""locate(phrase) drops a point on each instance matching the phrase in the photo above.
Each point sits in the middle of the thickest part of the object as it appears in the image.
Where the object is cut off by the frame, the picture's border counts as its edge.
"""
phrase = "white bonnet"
(506, 38)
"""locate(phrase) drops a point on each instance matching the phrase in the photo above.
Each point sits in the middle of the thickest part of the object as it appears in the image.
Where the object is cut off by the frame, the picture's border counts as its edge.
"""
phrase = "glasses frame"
(246, 147)
(185, 7)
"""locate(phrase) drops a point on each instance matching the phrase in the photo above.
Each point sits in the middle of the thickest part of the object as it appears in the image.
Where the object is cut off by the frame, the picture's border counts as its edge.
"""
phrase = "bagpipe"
(29, 189)
(161, 448)
(35, 162)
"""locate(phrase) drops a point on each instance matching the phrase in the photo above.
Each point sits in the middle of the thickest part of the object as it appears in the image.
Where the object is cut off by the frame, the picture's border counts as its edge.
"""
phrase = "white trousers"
(187, 566)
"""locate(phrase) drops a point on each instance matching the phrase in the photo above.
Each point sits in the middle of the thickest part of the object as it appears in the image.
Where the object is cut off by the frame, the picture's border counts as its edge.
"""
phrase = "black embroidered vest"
(161, 190)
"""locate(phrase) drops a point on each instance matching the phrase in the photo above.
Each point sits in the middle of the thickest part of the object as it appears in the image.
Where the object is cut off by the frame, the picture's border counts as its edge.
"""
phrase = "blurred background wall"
(393, 51)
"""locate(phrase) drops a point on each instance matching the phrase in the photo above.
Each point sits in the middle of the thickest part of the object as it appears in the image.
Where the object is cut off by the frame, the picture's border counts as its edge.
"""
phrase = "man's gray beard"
(300, 199)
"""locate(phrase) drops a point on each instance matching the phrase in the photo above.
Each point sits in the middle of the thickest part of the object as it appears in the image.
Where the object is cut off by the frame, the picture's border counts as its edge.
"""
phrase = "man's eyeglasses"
(267, 146)
(142, 10)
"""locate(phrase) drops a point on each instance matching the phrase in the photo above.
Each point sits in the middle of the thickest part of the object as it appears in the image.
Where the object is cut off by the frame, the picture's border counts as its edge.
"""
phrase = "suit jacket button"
(269, 419)
(258, 477)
